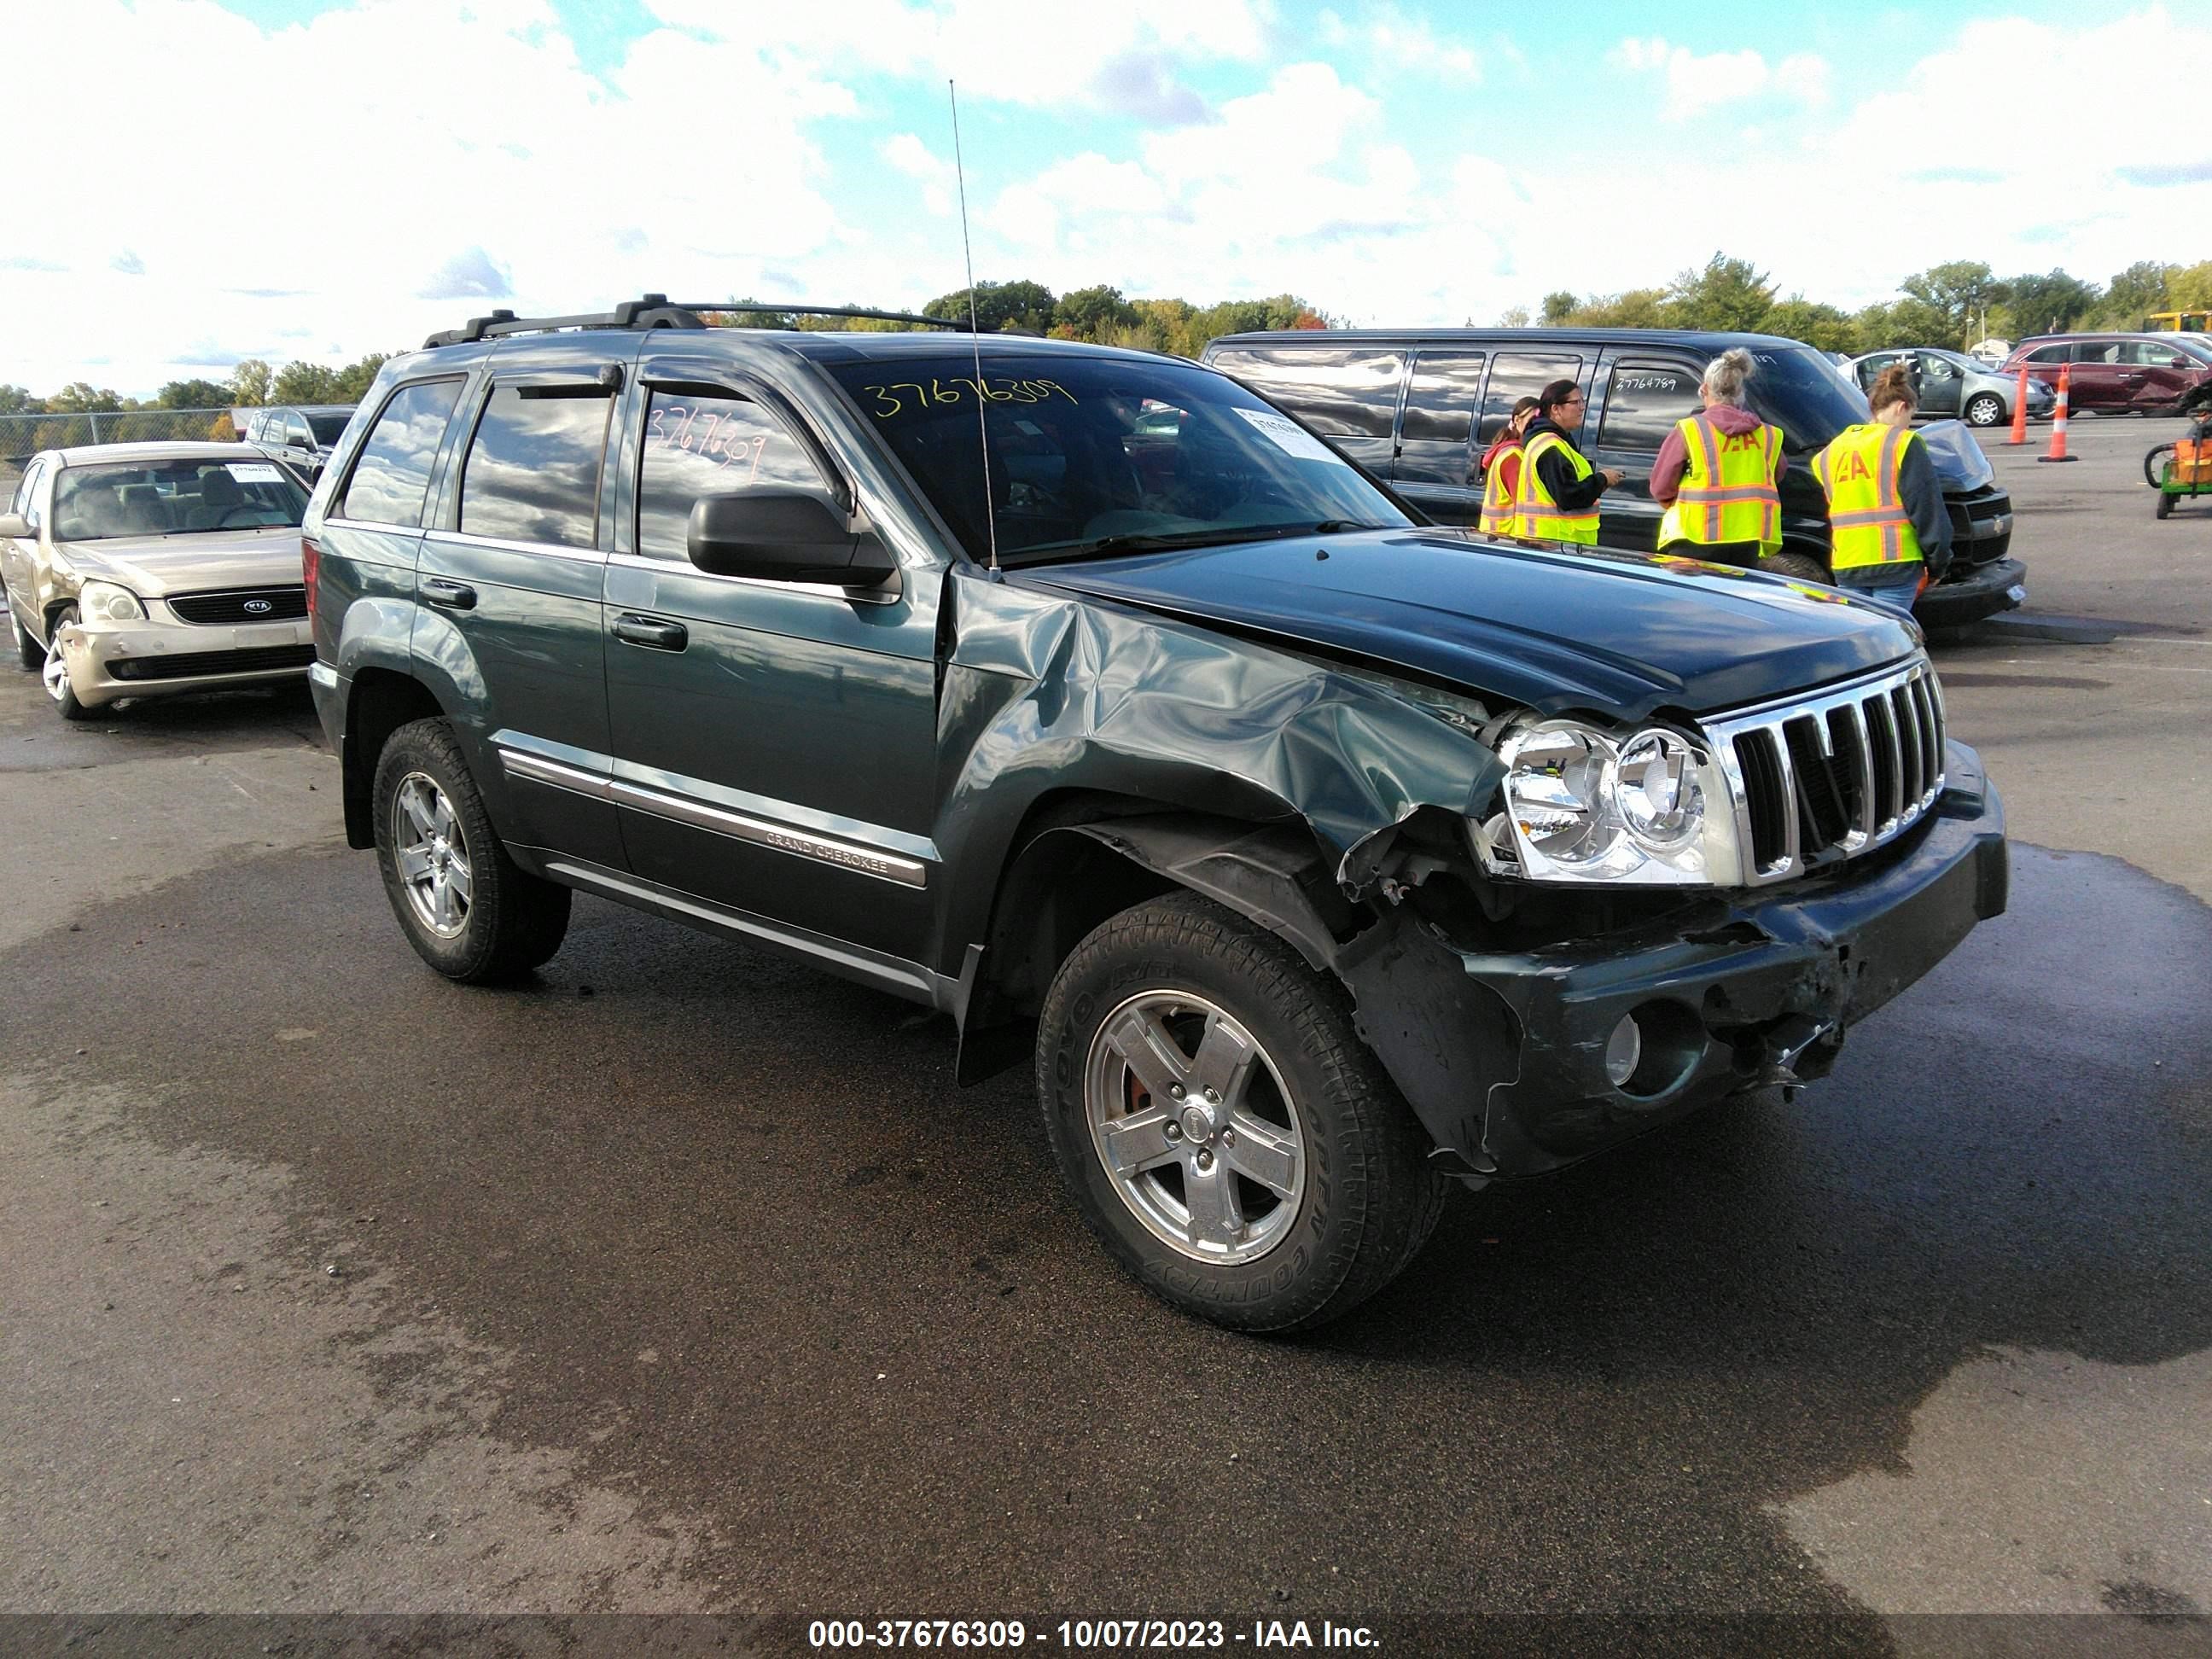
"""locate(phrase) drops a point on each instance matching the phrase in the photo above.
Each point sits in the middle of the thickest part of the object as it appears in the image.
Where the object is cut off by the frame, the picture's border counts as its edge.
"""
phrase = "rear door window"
(532, 471)
(392, 476)
(697, 445)
(2049, 354)
(1518, 375)
(2096, 351)
(1437, 427)
(1643, 402)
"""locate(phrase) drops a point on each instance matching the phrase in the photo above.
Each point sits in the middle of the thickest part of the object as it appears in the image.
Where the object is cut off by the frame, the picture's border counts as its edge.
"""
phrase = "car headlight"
(105, 602)
(1579, 804)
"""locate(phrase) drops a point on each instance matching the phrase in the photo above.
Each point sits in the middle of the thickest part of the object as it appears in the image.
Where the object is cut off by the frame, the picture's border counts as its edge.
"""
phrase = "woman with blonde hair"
(1719, 474)
(1890, 531)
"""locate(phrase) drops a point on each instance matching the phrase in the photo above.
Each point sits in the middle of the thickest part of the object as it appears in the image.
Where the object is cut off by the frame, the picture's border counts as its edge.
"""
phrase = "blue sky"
(1396, 163)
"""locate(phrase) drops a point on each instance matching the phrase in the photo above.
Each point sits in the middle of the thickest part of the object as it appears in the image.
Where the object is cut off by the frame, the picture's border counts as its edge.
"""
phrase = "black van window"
(532, 471)
(1346, 391)
(394, 473)
(1518, 375)
(702, 445)
(1440, 401)
(1644, 401)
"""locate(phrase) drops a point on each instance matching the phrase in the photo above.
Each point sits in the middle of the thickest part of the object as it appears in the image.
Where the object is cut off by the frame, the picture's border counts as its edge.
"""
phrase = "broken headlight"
(1580, 804)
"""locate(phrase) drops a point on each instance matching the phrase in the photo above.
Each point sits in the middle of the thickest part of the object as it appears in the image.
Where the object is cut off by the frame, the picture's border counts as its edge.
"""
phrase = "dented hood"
(1617, 633)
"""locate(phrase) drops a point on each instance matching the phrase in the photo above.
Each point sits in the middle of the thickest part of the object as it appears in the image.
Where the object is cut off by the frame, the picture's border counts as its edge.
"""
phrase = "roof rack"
(654, 311)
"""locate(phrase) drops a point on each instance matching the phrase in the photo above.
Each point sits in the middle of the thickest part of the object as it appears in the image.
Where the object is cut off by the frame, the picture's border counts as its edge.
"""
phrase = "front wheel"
(2165, 507)
(466, 906)
(1220, 1125)
(53, 668)
(1984, 409)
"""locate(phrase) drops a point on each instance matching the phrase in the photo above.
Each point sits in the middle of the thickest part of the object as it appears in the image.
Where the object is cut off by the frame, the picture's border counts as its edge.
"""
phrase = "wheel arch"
(379, 703)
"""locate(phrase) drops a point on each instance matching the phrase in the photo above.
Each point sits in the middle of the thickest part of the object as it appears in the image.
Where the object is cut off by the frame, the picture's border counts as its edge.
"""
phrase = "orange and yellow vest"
(1537, 515)
(1866, 519)
(1499, 515)
(1727, 492)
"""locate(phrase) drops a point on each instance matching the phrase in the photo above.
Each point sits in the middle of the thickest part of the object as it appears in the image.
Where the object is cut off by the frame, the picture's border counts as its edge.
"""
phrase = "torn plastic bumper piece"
(1740, 996)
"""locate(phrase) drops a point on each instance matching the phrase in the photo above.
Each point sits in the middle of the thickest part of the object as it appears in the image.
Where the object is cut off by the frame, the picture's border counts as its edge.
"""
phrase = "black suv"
(1318, 859)
(1419, 408)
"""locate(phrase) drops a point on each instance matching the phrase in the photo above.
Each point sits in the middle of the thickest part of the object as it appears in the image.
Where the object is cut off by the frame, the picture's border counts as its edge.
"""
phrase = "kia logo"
(258, 607)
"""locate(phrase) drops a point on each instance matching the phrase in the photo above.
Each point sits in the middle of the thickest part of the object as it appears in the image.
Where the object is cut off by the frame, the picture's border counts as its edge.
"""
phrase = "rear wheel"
(1220, 1125)
(1984, 409)
(466, 906)
(2164, 508)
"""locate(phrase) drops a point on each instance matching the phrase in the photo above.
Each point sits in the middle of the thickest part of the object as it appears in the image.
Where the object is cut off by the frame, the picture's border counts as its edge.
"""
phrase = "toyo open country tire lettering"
(467, 908)
(1220, 1125)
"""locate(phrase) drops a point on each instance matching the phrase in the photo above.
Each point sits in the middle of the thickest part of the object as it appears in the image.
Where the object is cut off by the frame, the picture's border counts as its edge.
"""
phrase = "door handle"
(652, 632)
(448, 595)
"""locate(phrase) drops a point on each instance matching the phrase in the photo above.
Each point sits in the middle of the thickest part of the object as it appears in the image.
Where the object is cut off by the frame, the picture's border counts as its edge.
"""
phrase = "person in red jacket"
(1500, 470)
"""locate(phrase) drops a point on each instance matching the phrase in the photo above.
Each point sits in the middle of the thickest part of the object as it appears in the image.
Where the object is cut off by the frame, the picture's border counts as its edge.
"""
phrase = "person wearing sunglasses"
(1557, 500)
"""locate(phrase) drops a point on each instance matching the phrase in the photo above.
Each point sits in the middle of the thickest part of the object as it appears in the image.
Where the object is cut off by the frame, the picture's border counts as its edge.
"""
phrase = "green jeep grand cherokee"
(1319, 858)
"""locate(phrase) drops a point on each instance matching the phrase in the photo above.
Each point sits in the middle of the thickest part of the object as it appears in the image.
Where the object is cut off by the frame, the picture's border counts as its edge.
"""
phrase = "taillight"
(311, 561)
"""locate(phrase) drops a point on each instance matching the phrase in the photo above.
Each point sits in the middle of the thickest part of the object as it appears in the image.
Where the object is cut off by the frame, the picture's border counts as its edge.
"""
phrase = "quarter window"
(1345, 391)
(698, 446)
(1644, 401)
(532, 471)
(392, 477)
(1440, 400)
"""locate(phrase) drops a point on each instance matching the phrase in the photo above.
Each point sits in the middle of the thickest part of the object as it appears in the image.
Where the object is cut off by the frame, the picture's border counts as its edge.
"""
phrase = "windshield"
(173, 498)
(1797, 390)
(1091, 453)
(328, 429)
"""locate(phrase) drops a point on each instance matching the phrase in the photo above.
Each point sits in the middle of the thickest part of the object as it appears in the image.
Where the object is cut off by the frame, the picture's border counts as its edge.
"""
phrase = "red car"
(2114, 374)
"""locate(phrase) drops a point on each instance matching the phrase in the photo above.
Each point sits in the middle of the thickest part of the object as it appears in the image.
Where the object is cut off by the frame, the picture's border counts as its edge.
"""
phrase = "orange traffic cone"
(2020, 411)
(2058, 420)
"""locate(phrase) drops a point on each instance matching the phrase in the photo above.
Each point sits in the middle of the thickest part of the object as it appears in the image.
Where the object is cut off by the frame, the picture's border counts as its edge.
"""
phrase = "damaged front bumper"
(1505, 1056)
(108, 661)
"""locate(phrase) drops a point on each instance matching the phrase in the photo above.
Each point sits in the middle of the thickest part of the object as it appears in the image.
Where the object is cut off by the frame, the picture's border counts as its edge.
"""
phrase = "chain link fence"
(22, 436)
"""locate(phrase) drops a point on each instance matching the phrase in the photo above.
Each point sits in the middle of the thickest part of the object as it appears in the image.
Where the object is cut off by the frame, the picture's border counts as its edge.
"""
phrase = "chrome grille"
(1820, 778)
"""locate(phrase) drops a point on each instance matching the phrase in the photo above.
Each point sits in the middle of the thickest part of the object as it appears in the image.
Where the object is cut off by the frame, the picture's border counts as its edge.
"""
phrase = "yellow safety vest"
(1539, 517)
(1499, 516)
(1727, 492)
(1868, 521)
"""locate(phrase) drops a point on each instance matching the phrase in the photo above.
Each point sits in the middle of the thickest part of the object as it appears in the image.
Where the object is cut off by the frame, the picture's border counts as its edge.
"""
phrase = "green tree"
(79, 398)
(1824, 327)
(999, 305)
(250, 383)
(305, 383)
(1904, 322)
(1556, 308)
(2135, 293)
(1639, 307)
(1514, 317)
(2190, 288)
(1959, 291)
(355, 378)
(1088, 312)
(18, 400)
(1727, 294)
(193, 394)
(2050, 304)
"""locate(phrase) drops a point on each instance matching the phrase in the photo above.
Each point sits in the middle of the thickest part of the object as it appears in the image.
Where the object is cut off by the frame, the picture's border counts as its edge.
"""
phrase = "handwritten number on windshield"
(889, 400)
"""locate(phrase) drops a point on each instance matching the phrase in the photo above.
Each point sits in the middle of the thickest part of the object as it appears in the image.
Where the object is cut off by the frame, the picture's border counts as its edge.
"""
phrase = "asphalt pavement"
(684, 1279)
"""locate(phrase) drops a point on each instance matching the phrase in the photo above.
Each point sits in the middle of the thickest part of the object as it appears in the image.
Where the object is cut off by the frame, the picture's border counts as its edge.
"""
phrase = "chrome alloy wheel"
(431, 856)
(1195, 1129)
(53, 673)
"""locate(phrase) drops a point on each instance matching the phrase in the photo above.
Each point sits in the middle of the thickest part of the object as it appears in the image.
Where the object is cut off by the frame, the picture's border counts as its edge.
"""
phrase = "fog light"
(1623, 1049)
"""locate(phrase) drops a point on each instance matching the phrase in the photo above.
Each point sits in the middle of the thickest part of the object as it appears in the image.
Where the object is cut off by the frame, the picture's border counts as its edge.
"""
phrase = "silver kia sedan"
(151, 569)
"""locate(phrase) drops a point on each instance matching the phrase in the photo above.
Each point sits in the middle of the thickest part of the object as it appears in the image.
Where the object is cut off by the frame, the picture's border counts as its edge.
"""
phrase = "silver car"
(1954, 386)
(148, 570)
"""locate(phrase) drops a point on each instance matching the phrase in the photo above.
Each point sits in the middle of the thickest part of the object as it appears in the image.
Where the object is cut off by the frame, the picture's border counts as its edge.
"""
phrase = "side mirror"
(11, 524)
(300, 441)
(783, 536)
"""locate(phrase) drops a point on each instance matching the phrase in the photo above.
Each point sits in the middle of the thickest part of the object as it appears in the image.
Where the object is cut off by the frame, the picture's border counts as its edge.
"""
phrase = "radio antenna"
(975, 333)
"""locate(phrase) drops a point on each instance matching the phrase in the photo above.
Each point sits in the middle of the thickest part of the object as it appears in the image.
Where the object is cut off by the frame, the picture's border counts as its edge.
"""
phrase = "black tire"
(53, 669)
(2164, 508)
(1984, 409)
(1798, 567)
(28, 650)
(1367, 1195)
(511, 920)
(2156, 462)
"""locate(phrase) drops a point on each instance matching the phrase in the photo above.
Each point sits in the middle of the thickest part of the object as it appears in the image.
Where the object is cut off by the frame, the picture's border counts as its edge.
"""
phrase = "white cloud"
(1695, 83)
(907, 153)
